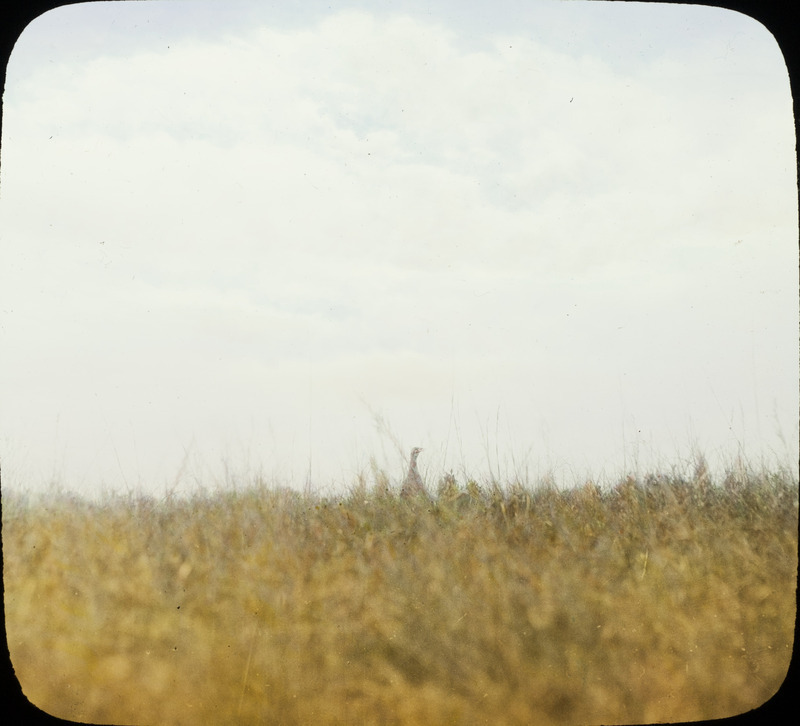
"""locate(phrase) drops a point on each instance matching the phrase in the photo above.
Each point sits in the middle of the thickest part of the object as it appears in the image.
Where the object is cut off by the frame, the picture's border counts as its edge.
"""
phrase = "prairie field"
(657, 598)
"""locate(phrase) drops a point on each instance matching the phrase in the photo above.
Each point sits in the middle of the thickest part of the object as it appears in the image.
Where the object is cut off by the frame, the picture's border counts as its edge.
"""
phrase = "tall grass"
(662, 598)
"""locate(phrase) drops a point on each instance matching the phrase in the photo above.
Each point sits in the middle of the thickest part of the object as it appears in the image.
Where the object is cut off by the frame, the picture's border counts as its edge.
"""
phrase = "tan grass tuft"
(659, 599)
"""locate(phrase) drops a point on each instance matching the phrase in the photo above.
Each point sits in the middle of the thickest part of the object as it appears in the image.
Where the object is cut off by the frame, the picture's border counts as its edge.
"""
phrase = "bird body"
(413, 484)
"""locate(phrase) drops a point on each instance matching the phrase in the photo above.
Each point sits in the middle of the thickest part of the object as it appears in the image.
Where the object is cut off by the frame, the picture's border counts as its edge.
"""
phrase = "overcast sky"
(286, 238)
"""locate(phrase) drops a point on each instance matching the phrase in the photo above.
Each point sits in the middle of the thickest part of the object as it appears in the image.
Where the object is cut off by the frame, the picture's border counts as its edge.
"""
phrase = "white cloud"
(274, 229)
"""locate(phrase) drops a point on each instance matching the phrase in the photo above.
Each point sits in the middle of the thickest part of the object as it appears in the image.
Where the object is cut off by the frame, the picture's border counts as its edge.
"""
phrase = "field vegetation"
(660, 598)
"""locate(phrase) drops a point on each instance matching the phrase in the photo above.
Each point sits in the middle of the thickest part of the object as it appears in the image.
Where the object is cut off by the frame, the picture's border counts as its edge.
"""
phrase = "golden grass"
(660, 599)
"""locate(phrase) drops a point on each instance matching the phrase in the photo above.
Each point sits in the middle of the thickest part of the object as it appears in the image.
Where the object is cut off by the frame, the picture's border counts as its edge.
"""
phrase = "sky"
(294, 240)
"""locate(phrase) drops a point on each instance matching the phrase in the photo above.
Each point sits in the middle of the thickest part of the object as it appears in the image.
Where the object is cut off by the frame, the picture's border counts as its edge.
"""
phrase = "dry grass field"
(662, 598)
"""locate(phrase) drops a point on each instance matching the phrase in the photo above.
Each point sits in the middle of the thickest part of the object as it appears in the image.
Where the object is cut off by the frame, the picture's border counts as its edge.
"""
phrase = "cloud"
(384, 208)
